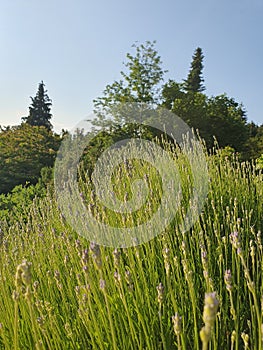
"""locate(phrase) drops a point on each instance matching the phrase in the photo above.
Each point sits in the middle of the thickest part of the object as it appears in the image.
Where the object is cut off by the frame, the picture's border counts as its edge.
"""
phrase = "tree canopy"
(140, 83)
(219, 117)
(25, 150)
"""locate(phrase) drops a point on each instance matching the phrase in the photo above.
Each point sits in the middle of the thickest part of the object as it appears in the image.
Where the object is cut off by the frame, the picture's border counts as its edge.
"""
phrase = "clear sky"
(78, 46)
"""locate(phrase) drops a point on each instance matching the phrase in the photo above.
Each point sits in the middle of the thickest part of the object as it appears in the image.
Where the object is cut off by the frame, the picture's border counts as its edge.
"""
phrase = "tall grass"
(59, 291)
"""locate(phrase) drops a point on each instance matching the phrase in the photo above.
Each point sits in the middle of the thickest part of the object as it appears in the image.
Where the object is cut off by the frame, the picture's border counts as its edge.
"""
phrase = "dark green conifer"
(39, 111)
(194, 80)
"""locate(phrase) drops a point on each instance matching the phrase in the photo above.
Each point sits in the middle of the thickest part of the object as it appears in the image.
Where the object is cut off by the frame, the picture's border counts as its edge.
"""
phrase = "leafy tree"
(139, 84)
(217, 117)
(24, 151)
(40, 109)
(254, 144)
(170, 92)
(192, 108)
(194, 80)
(227, 121)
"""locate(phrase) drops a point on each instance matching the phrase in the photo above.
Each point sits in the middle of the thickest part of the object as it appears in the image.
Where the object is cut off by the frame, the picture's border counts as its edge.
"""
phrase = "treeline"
(31, 146)
(215, 117)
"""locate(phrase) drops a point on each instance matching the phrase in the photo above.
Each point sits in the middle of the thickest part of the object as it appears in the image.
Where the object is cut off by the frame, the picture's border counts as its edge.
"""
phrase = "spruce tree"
(194, 80)
(39, 111)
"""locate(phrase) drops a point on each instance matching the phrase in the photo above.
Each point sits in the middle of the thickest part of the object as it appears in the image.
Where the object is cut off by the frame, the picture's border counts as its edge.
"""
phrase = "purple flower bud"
(228, 279)
(102, 284)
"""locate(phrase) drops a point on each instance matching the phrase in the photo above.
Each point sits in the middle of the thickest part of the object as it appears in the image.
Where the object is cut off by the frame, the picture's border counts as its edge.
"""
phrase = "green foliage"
(259, 162)
(191, 107)
(140, 83)
(39, 111)
(217, 117)
(194, 80)
(171, 91)
(15, 205)
(226, 120)
(227, 153)
(254, 144)
(58, 291)
(25, 150)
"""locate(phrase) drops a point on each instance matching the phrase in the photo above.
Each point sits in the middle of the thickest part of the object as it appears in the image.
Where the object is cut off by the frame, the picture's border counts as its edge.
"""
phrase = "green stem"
(111, 323)
(161, 325)
(16, 327)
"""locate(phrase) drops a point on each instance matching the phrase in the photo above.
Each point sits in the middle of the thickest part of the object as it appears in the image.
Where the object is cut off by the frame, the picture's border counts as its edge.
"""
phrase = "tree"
(194, 80)
(39, 111)
(226, 120)
(25, 150)
(217, 117)
(192, 109)
(170, 92)
(254, 145)
(139, 84)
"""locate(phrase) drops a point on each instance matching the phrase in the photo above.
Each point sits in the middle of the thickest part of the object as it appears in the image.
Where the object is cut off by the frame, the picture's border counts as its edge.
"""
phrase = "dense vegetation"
(59, 291)
(181, 290)
(27, 148)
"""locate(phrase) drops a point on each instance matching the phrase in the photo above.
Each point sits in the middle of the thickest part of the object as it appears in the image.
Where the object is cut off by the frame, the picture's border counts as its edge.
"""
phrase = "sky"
(77, 47)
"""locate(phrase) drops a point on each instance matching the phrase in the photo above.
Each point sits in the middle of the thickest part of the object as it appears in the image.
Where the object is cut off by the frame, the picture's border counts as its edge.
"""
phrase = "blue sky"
(77, 47)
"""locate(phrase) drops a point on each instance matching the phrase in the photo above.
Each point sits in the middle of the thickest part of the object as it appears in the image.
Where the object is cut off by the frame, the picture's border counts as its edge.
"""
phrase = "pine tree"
(39, 111)
(194, 80)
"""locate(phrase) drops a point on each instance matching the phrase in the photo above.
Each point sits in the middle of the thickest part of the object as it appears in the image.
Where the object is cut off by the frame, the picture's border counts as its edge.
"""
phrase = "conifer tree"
(194, 80)
(39, 111)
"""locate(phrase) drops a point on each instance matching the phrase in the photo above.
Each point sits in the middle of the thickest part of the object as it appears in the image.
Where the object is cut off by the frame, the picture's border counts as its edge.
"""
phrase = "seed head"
(177, 323)
(95, 248)
(209, 316)
(166, 256)
(210, 309)
(160, 291)
(15, 295)
(235, 241)
(57, 275)
(128, 278)
(245, 338)
(233, 336)
(228, 280)
(252, 250)
(85, 256)
(117, 277)
(23, 274)
(116, 257)
(35, 285)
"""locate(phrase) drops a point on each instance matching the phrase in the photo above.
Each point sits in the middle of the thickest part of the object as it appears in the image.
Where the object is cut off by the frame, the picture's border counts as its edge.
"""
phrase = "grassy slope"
(76, 296)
